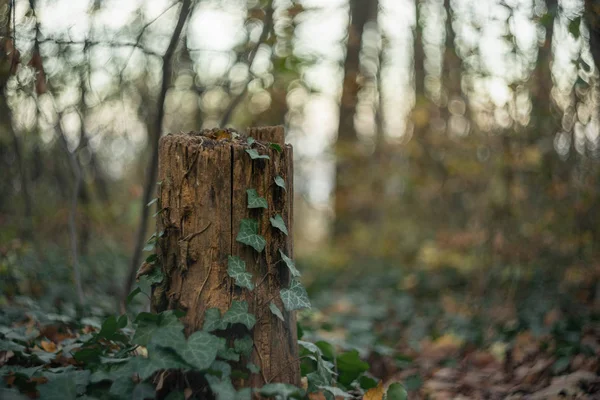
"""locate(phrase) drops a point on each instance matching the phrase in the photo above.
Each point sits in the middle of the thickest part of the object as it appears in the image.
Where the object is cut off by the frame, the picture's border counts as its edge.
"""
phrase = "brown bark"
(203, 199)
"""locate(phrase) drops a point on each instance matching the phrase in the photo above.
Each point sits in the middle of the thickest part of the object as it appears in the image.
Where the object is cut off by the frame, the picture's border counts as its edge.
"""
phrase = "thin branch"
(267, 25)
(150, 183)
(141, 34)
(89, 43)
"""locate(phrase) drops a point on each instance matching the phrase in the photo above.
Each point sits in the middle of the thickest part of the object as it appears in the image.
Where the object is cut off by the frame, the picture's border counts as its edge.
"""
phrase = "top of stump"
(266, 134)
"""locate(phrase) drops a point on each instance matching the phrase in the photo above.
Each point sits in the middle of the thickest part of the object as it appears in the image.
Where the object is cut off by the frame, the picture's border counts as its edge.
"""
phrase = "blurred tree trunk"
(154, 136)
(9, 59)
(348, 158)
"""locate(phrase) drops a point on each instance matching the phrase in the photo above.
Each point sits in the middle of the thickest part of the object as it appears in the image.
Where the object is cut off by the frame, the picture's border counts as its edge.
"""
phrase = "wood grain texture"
(203, 198)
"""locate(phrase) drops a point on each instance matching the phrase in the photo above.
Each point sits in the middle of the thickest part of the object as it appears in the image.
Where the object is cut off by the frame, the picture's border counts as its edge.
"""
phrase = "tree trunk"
(202, 198)
(349, 161)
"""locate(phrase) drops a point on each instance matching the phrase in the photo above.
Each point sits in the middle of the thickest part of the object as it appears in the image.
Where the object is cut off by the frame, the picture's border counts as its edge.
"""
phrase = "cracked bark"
(202, 193)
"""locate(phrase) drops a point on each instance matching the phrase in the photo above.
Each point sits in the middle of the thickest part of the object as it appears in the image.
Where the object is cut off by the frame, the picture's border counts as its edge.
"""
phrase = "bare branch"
(267, 24)
(155, 136)
(141, 34)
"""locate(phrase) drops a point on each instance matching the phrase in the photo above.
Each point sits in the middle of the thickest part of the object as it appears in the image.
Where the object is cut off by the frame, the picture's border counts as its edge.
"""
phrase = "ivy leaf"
(131, 295)
(255, 201)
(222, 388)
(238, 314)
(148, 324)
(154, 200)
(253, 368)
(59, 387)
(254, 154)
(278, 223)
(396, 392)
(155, 276)
(220, 367)
(228, 354)
(337, 392)
(6, 345)
(236, 268)
(290, 264)
(275, 147)
(202, 348)
(243, 346)
(295, 298)
(11, 394)
(212, 320)
(350, 366)
(170, 337)
(284, 390)
(143, 391)
(249, 235)
(122, 388)
(244, 394)
(109, 328)
(280, 182)
(250, 140)
(276, 311)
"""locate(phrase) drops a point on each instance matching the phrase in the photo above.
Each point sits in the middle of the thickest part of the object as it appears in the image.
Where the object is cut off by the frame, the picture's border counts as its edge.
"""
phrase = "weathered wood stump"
(203, 178)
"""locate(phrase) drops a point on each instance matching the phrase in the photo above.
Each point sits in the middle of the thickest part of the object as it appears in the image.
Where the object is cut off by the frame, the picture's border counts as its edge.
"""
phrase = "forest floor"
(533, 339)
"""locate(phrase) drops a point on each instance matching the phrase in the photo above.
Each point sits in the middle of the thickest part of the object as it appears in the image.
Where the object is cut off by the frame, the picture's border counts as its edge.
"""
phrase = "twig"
(200, 292)
(267, 24)
(205, 280)
(262, 372)
(193, 235)
(167, 59)
(89, 43)
(142, 31)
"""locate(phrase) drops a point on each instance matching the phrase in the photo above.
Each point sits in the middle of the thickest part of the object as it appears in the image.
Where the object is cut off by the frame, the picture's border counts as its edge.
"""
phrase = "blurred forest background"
(446, 151)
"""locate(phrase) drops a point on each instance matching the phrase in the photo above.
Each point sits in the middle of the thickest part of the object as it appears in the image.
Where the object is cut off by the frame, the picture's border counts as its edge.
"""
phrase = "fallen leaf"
(48, 346)
(375, 393)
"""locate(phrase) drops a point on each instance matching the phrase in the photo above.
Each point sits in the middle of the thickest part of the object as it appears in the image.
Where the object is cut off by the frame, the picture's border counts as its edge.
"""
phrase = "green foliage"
(275, 147)
(278, 223)
(201, 350)
(60, 387)
(236, 268)
(248, 234)
(238, 314)
(396, 392)
(283, 390)
(255, 155)
(290, 264)
(295, 297)
(255, 201)
(276, 311)
(280, 182)
(212, 320)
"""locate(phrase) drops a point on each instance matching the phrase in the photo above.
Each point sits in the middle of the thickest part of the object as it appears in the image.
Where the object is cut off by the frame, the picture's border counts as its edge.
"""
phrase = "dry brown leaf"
(375, 393)
(48, 346)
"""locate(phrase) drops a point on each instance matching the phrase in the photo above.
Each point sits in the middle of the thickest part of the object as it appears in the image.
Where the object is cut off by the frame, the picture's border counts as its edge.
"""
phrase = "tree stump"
(203, 183)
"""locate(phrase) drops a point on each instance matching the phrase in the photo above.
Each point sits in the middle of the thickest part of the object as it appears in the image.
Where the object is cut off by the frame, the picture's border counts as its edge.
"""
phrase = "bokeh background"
(446, 151)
